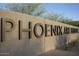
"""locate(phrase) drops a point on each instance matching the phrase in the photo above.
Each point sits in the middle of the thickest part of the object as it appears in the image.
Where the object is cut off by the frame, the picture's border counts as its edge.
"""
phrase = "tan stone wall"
(34, 46)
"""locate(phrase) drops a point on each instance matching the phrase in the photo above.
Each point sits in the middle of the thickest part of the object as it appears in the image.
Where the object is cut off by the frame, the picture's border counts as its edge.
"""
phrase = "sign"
(54, 30)
(22, 34)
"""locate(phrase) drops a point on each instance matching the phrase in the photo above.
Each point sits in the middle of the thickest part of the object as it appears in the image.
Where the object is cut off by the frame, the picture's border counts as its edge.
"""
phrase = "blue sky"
(68, 10)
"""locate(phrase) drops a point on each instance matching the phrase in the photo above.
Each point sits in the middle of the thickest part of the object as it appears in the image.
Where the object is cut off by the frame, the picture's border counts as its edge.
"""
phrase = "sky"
(70, 10)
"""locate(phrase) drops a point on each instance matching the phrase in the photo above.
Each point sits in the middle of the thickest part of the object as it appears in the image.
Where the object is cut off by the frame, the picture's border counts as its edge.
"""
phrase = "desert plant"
(66, 47)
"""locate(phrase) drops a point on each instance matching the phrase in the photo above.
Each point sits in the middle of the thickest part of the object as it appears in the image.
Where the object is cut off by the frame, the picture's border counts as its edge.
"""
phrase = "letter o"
(34, 29)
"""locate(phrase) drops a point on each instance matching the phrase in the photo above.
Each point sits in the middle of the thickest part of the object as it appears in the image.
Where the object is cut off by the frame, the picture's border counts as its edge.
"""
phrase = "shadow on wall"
(63, 42)
(77, 44)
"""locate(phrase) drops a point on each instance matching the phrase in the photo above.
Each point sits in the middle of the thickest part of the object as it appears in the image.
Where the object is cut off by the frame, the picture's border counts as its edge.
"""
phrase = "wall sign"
(32, 28)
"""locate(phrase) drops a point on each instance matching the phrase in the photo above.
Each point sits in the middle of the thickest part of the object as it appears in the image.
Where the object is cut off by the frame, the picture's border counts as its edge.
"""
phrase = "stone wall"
(22, 34)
